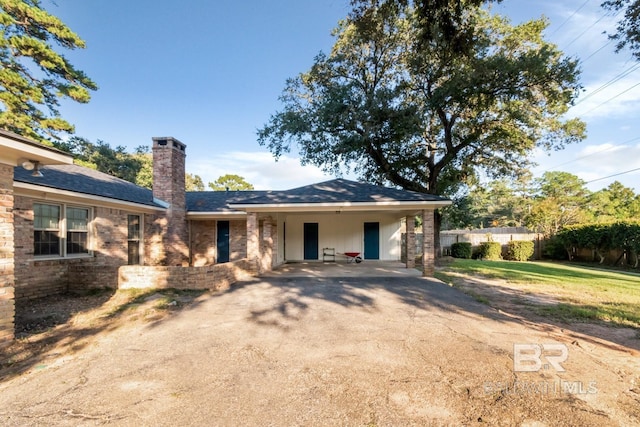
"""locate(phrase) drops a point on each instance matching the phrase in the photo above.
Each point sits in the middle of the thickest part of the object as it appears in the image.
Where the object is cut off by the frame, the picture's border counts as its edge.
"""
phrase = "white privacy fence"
(501, 235)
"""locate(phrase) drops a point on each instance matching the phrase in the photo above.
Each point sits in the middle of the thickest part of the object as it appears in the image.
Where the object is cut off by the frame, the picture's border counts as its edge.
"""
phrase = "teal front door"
(222, 241)
(310, 240)
(371, 240)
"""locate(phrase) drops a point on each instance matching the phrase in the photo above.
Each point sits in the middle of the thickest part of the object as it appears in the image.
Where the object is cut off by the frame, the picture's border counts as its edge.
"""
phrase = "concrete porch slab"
(367, 268)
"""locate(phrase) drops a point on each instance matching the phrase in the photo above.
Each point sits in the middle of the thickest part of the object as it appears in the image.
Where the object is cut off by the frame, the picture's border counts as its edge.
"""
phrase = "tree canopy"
(421, 115)
(628, 29)
(548, 204)
(230, 182)
(33, 75)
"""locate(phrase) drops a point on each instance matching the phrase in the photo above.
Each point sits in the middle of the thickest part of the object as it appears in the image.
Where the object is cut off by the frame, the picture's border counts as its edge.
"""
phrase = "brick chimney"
(169, 186)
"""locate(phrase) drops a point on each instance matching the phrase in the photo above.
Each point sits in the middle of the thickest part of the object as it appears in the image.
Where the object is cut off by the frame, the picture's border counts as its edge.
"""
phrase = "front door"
(222, 241)
(372, 240)
(310, 240)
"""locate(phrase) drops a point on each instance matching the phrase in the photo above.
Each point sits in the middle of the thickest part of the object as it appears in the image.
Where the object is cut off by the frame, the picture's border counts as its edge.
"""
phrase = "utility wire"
(617, 78)
(569, 18)
(584, 32)
(580, 158)
(591, 56)
(611, 147)
(612, 98)
(611, 176)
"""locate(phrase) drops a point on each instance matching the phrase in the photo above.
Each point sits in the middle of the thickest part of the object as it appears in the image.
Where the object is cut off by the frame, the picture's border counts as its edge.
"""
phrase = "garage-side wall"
(342, 231)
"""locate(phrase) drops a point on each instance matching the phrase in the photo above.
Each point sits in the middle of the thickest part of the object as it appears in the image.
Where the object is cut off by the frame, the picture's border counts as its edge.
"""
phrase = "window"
(60, 230)
(46, 229)
(133, 239)
(77, 231)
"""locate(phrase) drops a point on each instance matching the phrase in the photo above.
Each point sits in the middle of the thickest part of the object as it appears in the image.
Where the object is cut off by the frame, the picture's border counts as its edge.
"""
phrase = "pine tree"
(34, 76)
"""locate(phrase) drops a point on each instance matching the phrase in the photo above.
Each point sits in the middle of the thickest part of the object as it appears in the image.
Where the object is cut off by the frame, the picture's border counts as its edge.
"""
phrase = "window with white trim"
(77, 231)
(133, 239)
(60, 230)
(46, 229)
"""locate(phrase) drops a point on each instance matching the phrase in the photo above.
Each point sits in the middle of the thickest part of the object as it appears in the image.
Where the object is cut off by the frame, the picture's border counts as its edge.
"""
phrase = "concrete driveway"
(288, 350)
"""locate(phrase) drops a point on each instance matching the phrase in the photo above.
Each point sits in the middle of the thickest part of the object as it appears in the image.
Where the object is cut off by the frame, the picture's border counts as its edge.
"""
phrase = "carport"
(339, 216)
(343, 269)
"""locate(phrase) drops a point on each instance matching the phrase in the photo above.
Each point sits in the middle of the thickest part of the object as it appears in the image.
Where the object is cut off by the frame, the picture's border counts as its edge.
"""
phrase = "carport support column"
(428, 236)
(410, 241)
(253, 240)
(267, 246)
(7, 263)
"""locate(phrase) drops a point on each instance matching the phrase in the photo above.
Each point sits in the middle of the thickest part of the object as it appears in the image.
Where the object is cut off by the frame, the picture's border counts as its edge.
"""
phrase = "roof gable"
(340, 191)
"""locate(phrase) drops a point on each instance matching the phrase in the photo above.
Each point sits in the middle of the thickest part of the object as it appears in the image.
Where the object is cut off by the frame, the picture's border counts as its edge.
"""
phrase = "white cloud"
(258, 168)
(596, 161)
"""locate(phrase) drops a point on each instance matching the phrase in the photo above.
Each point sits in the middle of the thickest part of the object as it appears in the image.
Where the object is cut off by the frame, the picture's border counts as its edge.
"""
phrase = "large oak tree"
(415, 112)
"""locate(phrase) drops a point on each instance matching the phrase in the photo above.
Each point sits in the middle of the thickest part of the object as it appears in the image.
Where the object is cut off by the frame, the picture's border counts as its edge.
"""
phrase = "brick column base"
(428, 236)
(410, 242)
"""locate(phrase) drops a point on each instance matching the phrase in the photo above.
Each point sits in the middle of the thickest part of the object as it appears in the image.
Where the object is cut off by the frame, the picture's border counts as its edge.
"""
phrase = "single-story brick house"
(75, 227)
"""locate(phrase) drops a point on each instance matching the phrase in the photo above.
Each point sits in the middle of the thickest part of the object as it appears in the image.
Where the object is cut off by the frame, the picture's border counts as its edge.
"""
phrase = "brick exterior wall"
(38, 278)
(7, 263)
(169, 186)
(211, 277)
(237, 239)
(203, 242)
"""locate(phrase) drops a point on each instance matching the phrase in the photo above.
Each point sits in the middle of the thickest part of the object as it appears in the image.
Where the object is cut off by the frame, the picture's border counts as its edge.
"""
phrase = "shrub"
(490, 250)
(461, 250)
(520, 250)
(554, 249)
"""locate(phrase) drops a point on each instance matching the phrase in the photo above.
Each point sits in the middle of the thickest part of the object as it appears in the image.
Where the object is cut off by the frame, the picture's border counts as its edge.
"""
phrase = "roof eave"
(216, 215)
(58, 195)
(341, 206)
(15, 149)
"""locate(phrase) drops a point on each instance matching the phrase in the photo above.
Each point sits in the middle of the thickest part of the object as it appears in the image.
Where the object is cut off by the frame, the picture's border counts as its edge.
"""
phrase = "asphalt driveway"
(317, 350)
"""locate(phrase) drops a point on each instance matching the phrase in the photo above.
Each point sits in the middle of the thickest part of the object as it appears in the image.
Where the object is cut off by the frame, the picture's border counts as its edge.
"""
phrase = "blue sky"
(210, 72)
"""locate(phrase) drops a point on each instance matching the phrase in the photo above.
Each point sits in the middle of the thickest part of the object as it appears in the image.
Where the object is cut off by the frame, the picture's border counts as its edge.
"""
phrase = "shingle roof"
(341, 191)
(87, 181)
(80, 179)
(217, 201)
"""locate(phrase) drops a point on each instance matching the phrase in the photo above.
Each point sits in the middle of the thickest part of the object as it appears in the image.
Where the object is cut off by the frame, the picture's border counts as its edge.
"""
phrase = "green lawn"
(585, 294)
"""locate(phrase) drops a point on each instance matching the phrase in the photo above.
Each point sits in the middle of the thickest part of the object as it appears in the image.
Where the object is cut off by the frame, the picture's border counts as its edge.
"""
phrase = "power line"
(591, 56)
(617, 78)
(610, 147)
(612, 98)
(569, 18)
(611, 176)
(584, 32)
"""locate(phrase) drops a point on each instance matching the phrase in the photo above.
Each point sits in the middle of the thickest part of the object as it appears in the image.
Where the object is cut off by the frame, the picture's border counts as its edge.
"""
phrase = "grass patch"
(585, 294)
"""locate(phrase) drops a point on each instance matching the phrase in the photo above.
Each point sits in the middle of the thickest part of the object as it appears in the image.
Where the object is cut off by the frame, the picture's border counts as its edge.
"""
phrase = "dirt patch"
(314, 351)
(62, 324)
